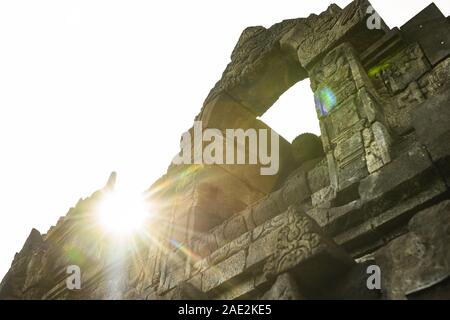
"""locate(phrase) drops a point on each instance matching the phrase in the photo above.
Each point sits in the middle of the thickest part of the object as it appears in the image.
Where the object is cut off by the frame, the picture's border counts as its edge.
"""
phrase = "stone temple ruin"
(372, 190)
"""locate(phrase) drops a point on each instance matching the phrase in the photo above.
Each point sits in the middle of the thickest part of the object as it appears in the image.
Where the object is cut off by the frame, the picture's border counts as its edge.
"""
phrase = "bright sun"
(122, 213)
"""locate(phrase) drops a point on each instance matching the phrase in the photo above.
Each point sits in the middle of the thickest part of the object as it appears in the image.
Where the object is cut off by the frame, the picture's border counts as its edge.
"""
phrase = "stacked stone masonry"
(373, 189)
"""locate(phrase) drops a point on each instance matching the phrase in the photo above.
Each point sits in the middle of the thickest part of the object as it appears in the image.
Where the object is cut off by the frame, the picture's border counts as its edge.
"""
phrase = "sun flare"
(122, 213)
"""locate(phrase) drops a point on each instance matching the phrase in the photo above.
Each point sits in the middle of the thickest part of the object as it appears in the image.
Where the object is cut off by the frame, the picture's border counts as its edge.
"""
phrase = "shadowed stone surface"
(420, 259)
(284, 288)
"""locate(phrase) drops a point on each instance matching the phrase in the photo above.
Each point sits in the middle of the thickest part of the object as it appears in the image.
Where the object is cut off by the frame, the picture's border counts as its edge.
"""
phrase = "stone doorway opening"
(294, 112)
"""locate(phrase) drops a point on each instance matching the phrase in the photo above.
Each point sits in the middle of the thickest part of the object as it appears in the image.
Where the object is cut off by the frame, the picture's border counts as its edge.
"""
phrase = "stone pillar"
(354, 134)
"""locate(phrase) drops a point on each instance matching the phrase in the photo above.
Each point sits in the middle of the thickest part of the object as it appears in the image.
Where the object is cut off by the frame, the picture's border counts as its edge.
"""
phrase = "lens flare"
(122, 213)
(185, 250)
(378, 69)
(325, 101)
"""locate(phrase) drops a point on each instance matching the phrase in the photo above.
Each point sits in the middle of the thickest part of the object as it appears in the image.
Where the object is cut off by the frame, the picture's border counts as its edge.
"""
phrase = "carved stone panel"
(302, 248)
(347, 115)
(405, 67)
(324, 31)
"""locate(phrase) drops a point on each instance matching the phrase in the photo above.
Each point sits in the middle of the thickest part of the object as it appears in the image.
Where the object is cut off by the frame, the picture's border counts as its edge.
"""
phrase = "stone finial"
(111, 181)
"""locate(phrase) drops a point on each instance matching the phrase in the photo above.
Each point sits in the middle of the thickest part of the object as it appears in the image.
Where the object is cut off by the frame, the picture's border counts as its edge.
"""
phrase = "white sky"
(88, 87)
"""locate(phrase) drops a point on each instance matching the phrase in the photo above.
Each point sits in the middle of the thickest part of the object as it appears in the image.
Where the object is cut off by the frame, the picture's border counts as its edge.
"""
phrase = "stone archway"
(267, 62)
(264, 64)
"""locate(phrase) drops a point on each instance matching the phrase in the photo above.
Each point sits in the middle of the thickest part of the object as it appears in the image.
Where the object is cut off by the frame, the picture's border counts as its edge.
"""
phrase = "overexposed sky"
(90, 87)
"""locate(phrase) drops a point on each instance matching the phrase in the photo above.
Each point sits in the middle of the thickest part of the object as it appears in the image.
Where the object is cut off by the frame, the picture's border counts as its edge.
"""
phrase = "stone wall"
(372, 190)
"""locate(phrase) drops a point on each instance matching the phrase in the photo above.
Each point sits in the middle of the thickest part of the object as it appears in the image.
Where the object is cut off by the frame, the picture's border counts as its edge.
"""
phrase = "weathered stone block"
(230, 249)
(196, 281)
(269, 226)
(259, 72)
(250, 173)
(432, 118)
(284, 288)
(353, 239)
(332, 26)
(318, 178)
(405, 67)
(400, 178)
(432, 123)
(349, 148)
(234, 228)
(239, 289)
(224, 112)
(419, 259)
(177, 275)
(267, 208)
(431, 29)
(199, 267)
(207, 200)
(205, 245)
(440, 291)
(248, 218)
(296, 189)
(399, 114)
(323, 197)
(320, 215)
(362, 227)
(223, 272)
(261, 249)
(378, 143)
(435, 81)
(277, 73)
(345, 217)
(180, 227)
(304, 250)
(352, 285)
(185, 291)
